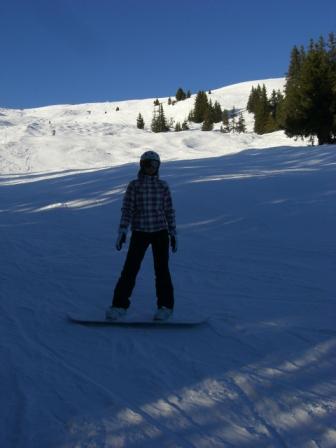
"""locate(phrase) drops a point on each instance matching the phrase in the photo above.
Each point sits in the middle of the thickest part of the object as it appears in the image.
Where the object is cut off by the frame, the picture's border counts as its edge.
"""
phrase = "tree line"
(204, 111)
(309, 108)
(306, 107)
(267, 111)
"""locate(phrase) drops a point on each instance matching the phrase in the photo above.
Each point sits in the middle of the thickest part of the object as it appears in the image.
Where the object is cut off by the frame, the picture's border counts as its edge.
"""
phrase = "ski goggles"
(150, 163)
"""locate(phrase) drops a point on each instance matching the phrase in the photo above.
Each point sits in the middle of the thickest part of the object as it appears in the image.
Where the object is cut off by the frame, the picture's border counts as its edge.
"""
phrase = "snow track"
(257, 255)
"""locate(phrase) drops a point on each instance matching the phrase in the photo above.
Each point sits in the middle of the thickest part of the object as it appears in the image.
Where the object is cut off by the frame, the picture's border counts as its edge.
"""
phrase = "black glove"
(173, 243)
(120, 240)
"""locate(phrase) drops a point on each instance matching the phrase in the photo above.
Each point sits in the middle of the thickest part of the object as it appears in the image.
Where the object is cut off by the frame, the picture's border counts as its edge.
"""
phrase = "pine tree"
(217, 112)
(210, 111)
(162, 120)
(159, 123)
(309, 108)
(253, 99)
(292, 120)
(275, 111)
(156, 102)
(201, 107)
(180, 95)
(188, 94)
(233, 115)
(241, 127)
(169, 101)
(268, 113)
(155, 121)
(262, 113)
(208, 123)
(178, 127)
(226, 121)
(140, 122)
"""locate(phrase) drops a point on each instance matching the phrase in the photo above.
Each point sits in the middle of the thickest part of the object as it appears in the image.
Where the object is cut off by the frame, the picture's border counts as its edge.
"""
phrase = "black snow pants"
(138, 245)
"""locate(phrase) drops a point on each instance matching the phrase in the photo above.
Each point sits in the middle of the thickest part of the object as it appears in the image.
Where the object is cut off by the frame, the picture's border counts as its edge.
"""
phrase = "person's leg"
(125, 285)
(163, 282)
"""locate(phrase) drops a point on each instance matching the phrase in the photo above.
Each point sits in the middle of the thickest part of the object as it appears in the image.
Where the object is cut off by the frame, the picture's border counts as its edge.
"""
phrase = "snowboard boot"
(114, 313)
(163, 313)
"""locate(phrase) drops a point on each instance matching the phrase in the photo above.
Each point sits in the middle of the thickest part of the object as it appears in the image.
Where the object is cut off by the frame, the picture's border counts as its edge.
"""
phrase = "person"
(148, 208)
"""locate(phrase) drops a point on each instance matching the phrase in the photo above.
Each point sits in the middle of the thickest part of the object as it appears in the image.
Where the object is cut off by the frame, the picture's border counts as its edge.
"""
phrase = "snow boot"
(163, 313)
(114, 313)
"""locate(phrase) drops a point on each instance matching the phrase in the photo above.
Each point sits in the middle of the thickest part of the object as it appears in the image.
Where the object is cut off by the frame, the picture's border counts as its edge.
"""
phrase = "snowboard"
(133, 321)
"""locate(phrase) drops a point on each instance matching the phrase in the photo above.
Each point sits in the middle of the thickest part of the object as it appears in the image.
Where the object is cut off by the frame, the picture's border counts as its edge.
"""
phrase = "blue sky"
(76, 51)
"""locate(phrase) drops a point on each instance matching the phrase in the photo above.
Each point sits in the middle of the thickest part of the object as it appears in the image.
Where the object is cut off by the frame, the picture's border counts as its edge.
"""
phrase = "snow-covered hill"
(96, 135)
(256, 219)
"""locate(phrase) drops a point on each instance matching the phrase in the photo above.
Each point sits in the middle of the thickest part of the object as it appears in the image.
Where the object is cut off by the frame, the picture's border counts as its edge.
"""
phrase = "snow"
(256, 218)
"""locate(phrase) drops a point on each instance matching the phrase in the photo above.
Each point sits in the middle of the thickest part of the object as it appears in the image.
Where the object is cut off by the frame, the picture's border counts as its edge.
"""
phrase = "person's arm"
(170, 217)
(127, 211)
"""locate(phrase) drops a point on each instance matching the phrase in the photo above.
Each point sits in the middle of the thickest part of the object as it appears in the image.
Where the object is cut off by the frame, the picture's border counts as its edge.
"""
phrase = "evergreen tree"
(169, 101)
(178, 127)
(156, 102)
(253, 99)
(241, 127)
(188, 94)
(159, 123)
(201, 107)
(250, 100)
(207, 123)
(267, 112)
(180, 95)
(217, 112)
(309, 107)
(162, 120)
(210, 112)
(275, 111)
(155, 121)
(273, 103)
(140, 122)
(233, 115)
(262, 113)
(225, 121)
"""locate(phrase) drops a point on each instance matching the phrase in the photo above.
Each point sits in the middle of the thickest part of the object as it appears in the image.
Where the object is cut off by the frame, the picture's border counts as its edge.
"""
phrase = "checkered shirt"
(148, 206)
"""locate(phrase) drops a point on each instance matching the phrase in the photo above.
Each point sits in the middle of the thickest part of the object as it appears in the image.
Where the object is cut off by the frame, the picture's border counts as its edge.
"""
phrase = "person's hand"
(120, 240)
(173, 243)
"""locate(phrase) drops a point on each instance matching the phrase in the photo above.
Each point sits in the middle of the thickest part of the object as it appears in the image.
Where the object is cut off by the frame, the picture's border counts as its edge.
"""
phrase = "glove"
(120, 240)
(173, 243)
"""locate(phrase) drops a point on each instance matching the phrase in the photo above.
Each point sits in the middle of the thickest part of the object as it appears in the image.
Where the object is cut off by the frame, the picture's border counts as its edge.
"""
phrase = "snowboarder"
(148, 208)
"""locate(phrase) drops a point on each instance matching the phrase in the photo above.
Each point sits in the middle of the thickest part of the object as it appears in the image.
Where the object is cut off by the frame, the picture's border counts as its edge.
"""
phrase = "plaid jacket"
(148, 206)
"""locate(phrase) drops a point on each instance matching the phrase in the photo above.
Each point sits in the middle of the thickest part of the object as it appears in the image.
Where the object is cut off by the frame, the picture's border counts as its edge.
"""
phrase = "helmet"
(150, 159)
(150, 155)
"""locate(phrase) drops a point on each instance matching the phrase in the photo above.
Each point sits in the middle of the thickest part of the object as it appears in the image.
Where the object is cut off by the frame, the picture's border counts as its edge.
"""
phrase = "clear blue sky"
(75, 51)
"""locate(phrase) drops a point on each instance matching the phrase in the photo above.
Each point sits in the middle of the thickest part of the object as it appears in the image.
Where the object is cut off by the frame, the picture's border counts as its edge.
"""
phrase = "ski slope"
(97, 136)
(256, 218)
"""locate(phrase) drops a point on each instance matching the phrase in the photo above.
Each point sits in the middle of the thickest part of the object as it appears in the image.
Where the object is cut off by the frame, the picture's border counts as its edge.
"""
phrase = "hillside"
(96, 135)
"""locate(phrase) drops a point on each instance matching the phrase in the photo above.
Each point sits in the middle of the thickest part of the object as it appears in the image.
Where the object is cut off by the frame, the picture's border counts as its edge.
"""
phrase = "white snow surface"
(256, 223)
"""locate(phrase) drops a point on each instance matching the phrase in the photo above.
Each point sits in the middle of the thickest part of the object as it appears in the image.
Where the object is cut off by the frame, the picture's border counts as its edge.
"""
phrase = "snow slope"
(96, 135)
(256, 256)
